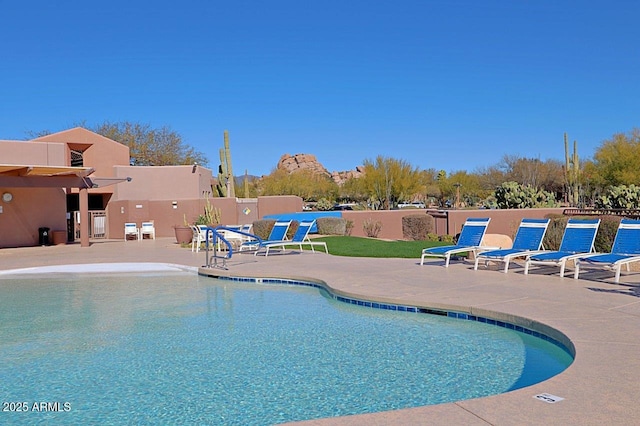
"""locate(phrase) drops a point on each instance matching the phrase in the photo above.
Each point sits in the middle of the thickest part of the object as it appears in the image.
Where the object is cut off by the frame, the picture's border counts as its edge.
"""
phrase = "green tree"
(468, 186)
(617, 160)
(429, 183)
(306, 184)
(390, 180)
(149, 146)
(353, 189)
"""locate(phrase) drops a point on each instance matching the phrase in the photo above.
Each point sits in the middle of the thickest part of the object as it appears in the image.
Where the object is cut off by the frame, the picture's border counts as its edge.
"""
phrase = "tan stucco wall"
(279, 204)
(161, 212)
(447, 222)
(165, 216)
(503, 221)
(32, 154)
(391, 221)
(30, 209)
(99, 152)
(170, 183)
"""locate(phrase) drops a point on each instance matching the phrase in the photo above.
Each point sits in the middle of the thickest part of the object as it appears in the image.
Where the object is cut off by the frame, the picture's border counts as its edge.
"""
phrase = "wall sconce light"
(7, 197)
(174, 204)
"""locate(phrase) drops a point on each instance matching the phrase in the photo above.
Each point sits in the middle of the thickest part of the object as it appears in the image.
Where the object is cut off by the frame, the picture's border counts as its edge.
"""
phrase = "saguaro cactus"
(246, 183)
(572, 172)
(226, 181)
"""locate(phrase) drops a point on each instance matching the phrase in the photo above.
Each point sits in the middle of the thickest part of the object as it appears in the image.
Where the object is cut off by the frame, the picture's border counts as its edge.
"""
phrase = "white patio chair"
(131, 229)
(147, 228)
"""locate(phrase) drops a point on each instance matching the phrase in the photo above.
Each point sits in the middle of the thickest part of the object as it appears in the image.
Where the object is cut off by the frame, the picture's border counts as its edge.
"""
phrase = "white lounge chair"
(528, 241)
(578, 239)
(625, 250)
(470, 239)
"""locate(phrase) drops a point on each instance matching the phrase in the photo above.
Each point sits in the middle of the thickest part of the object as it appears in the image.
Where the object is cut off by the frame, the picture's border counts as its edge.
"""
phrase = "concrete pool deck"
(601, 318)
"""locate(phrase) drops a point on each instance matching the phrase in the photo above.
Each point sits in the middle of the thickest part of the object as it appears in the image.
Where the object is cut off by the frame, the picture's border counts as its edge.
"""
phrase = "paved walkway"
(601, 318)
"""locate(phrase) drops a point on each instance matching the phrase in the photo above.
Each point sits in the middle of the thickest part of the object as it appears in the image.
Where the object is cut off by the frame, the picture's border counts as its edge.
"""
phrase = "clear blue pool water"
(177, 348)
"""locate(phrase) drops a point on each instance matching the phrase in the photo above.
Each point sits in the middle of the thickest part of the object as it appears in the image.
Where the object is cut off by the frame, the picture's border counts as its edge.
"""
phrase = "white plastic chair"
(198, 238)
(131, 229)
(247, 227)
(147, 228)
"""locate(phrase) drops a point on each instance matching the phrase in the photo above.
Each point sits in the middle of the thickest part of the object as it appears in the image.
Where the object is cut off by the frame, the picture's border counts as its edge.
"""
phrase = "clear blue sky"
(444, 84)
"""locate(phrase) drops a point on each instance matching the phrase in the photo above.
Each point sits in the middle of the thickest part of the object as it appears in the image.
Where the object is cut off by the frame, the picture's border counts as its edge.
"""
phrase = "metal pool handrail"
(217, 236)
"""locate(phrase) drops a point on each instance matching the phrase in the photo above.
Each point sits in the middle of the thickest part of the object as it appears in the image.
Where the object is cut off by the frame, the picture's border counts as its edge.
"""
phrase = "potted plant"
(184, 233)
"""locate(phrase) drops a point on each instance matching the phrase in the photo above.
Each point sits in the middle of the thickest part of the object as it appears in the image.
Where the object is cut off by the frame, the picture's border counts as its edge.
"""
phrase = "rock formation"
(293, 163)
(296, 162)
(341, 177)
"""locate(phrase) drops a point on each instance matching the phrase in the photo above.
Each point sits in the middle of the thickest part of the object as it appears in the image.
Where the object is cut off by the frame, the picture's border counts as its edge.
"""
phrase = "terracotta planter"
(184, 234)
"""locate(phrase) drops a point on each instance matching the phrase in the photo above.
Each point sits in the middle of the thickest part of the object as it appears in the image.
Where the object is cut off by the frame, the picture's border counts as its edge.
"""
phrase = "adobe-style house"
(58, 180)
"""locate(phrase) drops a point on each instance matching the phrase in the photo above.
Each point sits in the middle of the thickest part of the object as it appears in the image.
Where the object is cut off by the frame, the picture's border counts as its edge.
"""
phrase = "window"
(76, 158)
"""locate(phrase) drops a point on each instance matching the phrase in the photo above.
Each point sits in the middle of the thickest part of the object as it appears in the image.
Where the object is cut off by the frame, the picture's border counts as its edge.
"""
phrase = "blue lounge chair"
(300, 238)
(578, 239)
(278, 233)
(528, 241)
(470, 239)
(625, 250)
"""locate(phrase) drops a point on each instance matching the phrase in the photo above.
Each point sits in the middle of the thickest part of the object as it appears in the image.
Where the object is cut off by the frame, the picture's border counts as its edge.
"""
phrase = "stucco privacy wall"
(447, 222)
(503, 221)
(165, 216)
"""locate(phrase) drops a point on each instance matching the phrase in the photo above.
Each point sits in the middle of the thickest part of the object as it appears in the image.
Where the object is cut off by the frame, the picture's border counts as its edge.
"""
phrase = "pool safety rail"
(214, 238)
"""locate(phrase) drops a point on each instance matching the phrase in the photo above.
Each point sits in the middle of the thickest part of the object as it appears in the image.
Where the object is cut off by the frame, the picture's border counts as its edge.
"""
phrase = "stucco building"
(58, 180)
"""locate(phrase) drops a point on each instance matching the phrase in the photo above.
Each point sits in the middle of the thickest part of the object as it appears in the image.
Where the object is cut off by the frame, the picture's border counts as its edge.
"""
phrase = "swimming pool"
(175, 347)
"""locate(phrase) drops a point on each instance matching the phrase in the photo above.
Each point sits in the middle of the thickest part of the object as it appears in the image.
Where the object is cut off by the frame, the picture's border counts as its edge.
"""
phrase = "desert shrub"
(432, 237)
(332, 226)
(323, 204)
(447, 238)
(372, 227)
(415, 227)
(292, 229)
(555, 231)
(606, 233)
(262, 228)
(348, 227)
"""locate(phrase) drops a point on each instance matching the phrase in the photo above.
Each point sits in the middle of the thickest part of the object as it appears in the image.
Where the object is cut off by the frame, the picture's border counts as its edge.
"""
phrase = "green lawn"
(372, 247)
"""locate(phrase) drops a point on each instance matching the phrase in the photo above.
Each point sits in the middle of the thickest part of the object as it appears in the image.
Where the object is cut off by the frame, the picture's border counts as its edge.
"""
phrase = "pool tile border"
(401, 307)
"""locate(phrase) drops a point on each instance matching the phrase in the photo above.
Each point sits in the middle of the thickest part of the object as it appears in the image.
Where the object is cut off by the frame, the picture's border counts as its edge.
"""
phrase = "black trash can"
(43, 236)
